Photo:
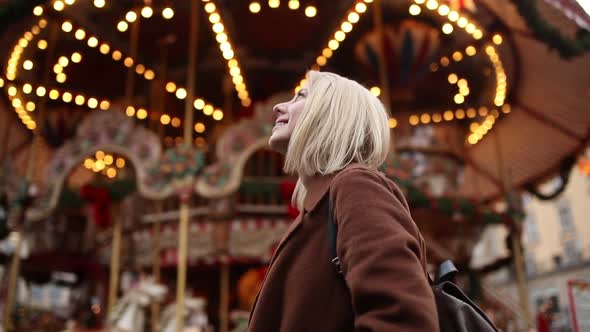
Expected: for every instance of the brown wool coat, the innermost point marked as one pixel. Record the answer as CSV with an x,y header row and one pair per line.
x,y
383,286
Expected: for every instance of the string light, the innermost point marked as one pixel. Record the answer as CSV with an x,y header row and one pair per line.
x,y
131,16
218,115
76,57
80,34
42,44
254,7
447,28
274,3
199,127
168,13
122,26
311,11
99,3
375,91
38,11
293,4
147,12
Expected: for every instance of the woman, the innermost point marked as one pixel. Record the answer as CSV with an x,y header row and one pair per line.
x,y
334,135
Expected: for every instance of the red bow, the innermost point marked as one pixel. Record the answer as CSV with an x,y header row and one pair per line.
x,y
101,203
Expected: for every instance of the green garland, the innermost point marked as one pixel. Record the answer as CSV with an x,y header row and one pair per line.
x,y
69,199
549,34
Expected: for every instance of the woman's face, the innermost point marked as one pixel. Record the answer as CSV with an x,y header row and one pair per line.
x,y
286,115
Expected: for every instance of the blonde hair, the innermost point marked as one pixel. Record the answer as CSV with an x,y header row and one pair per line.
x,y
341,123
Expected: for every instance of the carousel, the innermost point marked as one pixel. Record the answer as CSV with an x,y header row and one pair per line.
x,y
137,192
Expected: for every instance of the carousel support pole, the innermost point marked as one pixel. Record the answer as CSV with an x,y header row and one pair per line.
x,y
117,227
37,140
115,262
156,262
224,298
383,78
188,141
516,243
6,138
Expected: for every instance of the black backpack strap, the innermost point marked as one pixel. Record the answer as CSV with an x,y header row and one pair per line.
x,y
332,236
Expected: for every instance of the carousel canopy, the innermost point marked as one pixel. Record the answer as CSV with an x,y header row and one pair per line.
x,y
506,82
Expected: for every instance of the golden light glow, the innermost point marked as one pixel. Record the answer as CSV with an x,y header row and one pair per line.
x,y
392,122
149,75
210,7
76,57
92,103
42,44
128,62
41,91
414,120
448,115
117,55
462,22
436,117
120,162
497,39
214,18
61,78
293,4
111,173
321,60
431,4
360,7
506,109
130,111
122,26
165,119
375,91
470,50
88,163
346,27
57,68
353,17
175,122
208,109
477,34
171,87
453,78
167,13
141,114
254,7
67,26
99,154
460,114
79,100
28,65
66,97
147,12
131,16
38,11
415,10
471,113
12,91
425,118
108,159
104,105
140,69
447,28
181,93
339,35
53,94
218,27
80,34
459,99
333,44
63,61
221,37
58,5
27,88
199,103
457,56
274,3
92,42
104,48
444,61
199,127
218,115
99,3
99,165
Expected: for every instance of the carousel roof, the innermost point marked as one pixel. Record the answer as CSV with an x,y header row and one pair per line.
x,y
481,69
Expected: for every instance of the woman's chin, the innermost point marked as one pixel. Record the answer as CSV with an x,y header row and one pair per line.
x,y
278,144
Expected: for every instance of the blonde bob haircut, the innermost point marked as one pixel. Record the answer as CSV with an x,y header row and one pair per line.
x,y
341,123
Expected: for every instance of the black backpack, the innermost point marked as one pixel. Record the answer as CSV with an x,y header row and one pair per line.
x,y
456,311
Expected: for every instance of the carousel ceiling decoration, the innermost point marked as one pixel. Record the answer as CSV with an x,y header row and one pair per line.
x,y
310,11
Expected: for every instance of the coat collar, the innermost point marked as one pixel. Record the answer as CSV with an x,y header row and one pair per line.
x,y
316,187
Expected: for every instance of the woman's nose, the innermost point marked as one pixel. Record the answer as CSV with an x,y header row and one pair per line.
x,y
279,109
